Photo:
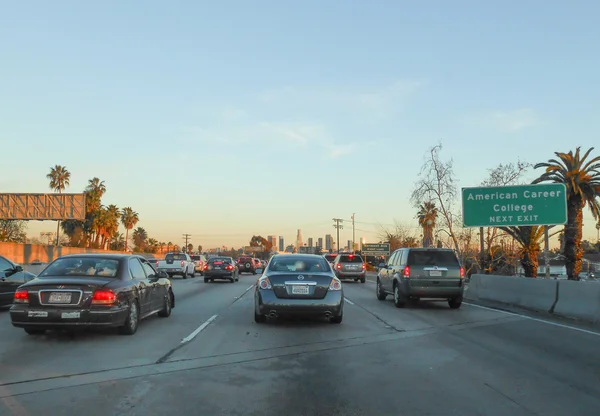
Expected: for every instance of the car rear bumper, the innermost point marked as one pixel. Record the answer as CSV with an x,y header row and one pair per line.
x,y
350,275
266,302
413,289
173,270
113,317
246,269
218,274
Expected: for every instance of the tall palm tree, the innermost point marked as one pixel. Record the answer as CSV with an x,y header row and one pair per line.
x,y
427,217
140,238
113,214
582,179
59,178
129,218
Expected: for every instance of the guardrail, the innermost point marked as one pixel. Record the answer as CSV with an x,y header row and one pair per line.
x,y
567,298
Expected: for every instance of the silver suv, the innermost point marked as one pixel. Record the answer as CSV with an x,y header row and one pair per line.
x,y
414,273
350,266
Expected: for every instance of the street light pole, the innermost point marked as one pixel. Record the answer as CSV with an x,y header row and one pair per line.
x,y
353,237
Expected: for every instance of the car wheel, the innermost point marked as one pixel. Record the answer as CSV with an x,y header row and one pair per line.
x,y
166,311
381,295
337,319
31,331
133,319
363,279
232,280
193,274
455,303
399,299
206,280
259,319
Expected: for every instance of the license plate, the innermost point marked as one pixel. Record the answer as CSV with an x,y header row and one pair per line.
x,y
435,273
37,314
218,268
59,297
299,290
70,315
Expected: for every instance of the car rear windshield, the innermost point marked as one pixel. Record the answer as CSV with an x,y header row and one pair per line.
x,y
81,267
219,260
351,259
195,258
432,258
245,259
175,257
330,257
306,265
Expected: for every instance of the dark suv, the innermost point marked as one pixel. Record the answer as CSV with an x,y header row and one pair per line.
x,y
414,273
246,265
350,266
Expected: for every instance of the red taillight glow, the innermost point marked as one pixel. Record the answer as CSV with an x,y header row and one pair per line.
x,y
21,296
218,262
462,272
182,263
339,266
264,283
335,285
230,267
406,271
104,297
364,266
206,267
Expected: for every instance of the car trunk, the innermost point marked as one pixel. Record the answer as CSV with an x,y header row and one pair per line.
x,y
300,285
434,268
61,292
349,264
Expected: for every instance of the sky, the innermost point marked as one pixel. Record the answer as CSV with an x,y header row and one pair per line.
x,y
233,118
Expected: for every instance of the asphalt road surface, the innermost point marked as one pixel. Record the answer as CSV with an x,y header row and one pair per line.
x,y
210,358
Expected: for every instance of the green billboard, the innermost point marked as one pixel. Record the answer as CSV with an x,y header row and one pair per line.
x,y
502,206
374,249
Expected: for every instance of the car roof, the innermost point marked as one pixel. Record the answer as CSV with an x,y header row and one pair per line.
x,y
298,255
111,256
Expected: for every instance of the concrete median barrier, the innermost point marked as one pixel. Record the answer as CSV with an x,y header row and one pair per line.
x,y
579,300
534,294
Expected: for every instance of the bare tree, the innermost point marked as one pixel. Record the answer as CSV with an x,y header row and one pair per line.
x,y
398,236
437,183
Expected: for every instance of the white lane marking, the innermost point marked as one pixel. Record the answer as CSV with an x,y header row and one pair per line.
x,y
199,329
249,288
370,281
585,331
348,300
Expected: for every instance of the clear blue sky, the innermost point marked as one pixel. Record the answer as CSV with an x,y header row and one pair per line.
x,y
232,118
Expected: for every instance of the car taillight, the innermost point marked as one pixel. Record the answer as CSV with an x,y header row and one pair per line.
x,y
406,271
206,267
21,296
364,266
264,283
462,272
104,297
182,263
230,267
339,266
335,285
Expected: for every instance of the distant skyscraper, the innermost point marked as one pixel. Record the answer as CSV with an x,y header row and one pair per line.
x,y
350,245
273,240
328,242
299,242
320,242
281,243
310,241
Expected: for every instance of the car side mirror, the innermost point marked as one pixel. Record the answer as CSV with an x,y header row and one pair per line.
x,y
18,268
162,274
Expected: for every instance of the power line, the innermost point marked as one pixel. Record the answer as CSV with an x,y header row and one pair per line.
x,y
186,237
338,226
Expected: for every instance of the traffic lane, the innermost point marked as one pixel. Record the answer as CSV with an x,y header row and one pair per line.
x,y
234,331
503,368
24,357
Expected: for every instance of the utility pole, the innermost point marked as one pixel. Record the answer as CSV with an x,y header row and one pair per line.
x,y
353,233
186,237
338,226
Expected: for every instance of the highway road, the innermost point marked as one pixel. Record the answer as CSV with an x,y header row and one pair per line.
x,y
210,358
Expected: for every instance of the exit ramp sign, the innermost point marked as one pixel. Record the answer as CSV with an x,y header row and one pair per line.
x,y
503,206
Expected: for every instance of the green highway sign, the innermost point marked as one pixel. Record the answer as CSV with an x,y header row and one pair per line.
x,y
502,206
381,249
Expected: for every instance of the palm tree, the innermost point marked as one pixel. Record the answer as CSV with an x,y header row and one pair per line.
x,y
59,178
140,238
113,215
169,245
582,180
529,239
129,218
427,216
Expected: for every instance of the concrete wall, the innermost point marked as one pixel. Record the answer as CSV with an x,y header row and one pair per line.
x,y
29,253
571,299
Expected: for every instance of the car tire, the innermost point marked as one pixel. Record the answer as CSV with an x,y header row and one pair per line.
x,y
166,311
399,299
381,295
259,319
455,303
35,331
363,279
193,274
184,274
206,280
132,321
232,280
337,319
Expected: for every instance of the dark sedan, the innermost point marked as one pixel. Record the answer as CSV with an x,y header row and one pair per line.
x,y
12,276
92,290
221,268
298,284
